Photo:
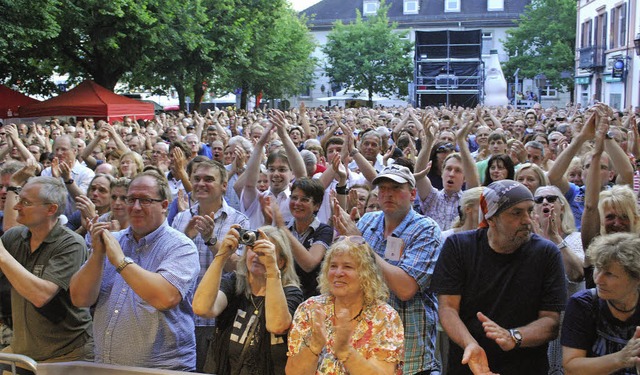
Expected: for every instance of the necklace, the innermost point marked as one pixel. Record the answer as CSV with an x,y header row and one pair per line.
x,y
358,315
621,310
256,310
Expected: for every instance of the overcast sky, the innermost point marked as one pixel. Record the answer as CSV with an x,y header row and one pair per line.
x,y
302,4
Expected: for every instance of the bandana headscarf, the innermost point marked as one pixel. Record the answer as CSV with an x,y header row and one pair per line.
x,y
499,196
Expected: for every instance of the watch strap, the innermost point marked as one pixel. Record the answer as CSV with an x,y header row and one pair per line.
x,y
69,181
125,262
15,189
211,241
516,336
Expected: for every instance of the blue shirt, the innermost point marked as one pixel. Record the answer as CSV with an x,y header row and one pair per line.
x,y
129,331
223,219
421,238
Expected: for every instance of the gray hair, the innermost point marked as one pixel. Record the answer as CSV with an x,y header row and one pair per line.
x,y
535,144
242,142
52,190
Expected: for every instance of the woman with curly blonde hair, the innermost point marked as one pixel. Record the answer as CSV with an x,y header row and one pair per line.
x,y
349,328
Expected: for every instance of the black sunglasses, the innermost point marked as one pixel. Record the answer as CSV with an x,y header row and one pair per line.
x,y
550,198
445,148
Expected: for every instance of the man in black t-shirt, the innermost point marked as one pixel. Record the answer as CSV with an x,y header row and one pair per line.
x,y
500,289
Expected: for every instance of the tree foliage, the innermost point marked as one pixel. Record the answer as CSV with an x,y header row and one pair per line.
x,y
192,46
544,42
369,55
279,59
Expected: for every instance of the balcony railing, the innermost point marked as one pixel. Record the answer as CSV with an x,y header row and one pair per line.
x,y
592,57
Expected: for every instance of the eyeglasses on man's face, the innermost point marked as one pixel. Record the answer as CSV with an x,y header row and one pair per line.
x,y
144,202
25,203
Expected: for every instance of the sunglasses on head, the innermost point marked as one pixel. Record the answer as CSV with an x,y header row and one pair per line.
x,y
358,240
445,148
550,198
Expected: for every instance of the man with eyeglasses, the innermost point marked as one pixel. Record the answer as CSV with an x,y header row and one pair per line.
x,y
142,281
206,221
500,288
39,260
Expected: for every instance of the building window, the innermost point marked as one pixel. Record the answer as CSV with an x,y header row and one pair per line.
x,y
411,7
495,5
487,43
549,92
370,7
585,34
622,25
451,5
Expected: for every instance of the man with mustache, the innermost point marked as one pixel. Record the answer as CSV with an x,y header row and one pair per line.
x,y
500,288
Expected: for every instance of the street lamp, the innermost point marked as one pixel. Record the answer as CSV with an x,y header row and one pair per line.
x,y
541,82
636,43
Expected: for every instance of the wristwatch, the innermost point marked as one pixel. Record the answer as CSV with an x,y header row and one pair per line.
x,y
15,189
69,181
211,241
125,262
516,336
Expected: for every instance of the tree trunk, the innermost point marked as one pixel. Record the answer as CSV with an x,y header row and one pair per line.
x,y
181,96
198,93
244,96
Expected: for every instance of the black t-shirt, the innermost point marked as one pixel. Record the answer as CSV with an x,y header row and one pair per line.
x,y
589,325
309,280
254,361
510,289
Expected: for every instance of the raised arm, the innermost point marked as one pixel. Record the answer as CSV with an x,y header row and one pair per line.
x,y
295,159
471,177
252,171
557,171
208,302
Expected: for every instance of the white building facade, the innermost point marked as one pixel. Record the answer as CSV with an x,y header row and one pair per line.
x,y
607,64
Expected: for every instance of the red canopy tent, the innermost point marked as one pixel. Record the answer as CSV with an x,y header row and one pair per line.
x,y
89,99
11,102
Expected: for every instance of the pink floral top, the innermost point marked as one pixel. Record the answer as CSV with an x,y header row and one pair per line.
x,y
378,333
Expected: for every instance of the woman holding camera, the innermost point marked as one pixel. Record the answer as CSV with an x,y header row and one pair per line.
x,y
253,306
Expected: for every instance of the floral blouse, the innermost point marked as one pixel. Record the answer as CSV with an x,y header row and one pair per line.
x,y
378,333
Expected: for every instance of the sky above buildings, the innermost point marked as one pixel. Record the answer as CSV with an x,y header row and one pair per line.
x,y
299,5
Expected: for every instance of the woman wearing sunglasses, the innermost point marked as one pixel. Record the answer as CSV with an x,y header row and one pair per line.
x,y
349,329
554,221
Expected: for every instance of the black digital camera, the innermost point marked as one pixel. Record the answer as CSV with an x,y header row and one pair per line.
x,y
247,236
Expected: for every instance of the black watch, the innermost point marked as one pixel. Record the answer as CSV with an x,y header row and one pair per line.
x,y
15,189
211,241
516,336
69,181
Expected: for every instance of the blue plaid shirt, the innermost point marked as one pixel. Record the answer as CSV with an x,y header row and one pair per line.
x,y
421,237
222,221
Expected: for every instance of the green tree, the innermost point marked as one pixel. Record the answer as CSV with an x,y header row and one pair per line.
x,y
544,42
279,59
369,55
25,24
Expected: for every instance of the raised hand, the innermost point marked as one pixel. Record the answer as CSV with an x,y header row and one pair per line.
x,y
500,335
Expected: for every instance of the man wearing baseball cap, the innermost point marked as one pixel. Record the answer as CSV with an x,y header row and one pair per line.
x,y
500,288
406,246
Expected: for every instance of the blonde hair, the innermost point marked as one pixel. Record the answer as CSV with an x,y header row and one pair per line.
x,y
470,197
370,277
288,273
568,222
621,199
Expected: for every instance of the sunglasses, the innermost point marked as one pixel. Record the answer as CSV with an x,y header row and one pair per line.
x,y
445,148
358,240
550,198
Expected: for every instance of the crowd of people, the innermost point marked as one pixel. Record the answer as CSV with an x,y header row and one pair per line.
x,y
388,240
